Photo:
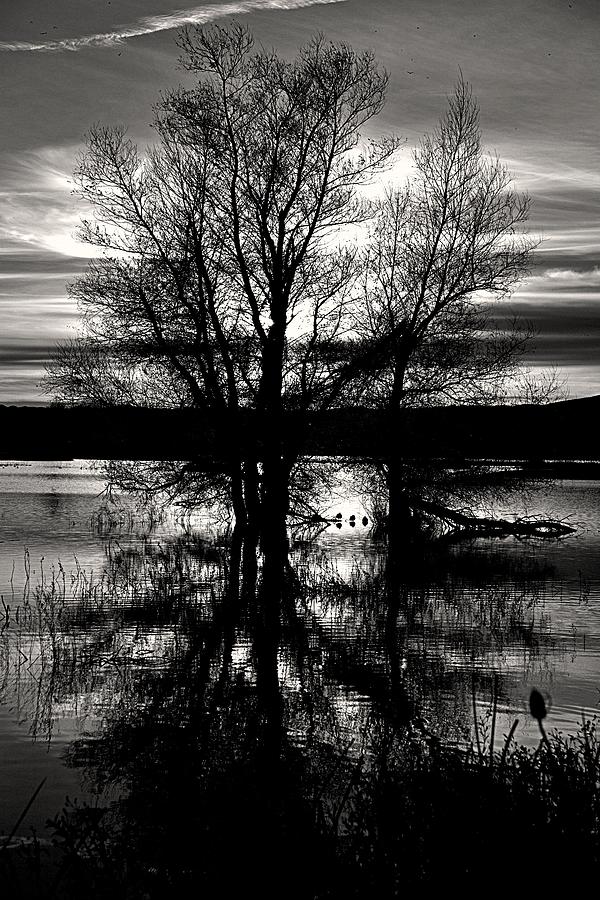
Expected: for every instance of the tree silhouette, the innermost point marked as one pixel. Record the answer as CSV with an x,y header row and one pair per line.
x,y
220,278
440,251
225,283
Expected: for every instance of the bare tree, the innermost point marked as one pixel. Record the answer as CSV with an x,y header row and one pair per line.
x,y
219,264
223,284
283,138
441,251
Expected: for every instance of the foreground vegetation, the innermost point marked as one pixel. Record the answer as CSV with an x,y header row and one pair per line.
x,y
412,813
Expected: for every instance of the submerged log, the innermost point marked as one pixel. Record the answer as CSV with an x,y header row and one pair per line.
x,y
459,523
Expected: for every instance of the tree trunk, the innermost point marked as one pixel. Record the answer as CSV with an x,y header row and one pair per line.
x,y
275,477
251,490
401,526
238,500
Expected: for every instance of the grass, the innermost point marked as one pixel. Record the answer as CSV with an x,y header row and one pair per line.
x,y
411,812
424,813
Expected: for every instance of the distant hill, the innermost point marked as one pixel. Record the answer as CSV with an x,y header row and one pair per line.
x,y
564,430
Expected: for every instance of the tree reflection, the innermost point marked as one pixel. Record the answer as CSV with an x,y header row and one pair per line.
x,y
242,701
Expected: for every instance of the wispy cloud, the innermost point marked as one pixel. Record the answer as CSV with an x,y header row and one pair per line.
x,y
37,208
195,15
563,278
585,276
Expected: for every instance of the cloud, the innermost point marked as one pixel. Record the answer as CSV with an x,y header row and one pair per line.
x,y
562,277
38,210
587,276
196,15
38,256
565,193
558,173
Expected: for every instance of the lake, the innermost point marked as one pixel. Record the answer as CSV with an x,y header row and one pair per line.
x,y
104,613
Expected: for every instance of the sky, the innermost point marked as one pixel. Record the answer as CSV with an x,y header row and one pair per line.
x,y
532,64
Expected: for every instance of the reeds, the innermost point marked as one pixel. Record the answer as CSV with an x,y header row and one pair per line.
x,y
429,813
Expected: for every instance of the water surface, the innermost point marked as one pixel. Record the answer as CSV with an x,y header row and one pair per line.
x,y
100,616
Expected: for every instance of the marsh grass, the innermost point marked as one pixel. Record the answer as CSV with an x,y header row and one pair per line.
x,y
427,813
411,813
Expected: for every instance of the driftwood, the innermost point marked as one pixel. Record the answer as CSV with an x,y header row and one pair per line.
x,y
483,526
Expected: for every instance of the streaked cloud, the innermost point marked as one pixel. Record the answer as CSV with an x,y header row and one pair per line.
x,y
37,207
38,256
196,15
585,277
32,325
564,279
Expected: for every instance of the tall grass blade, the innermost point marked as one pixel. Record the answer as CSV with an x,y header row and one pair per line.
x,y
28,806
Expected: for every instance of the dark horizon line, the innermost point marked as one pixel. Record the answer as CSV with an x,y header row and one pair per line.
x,y
448,434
